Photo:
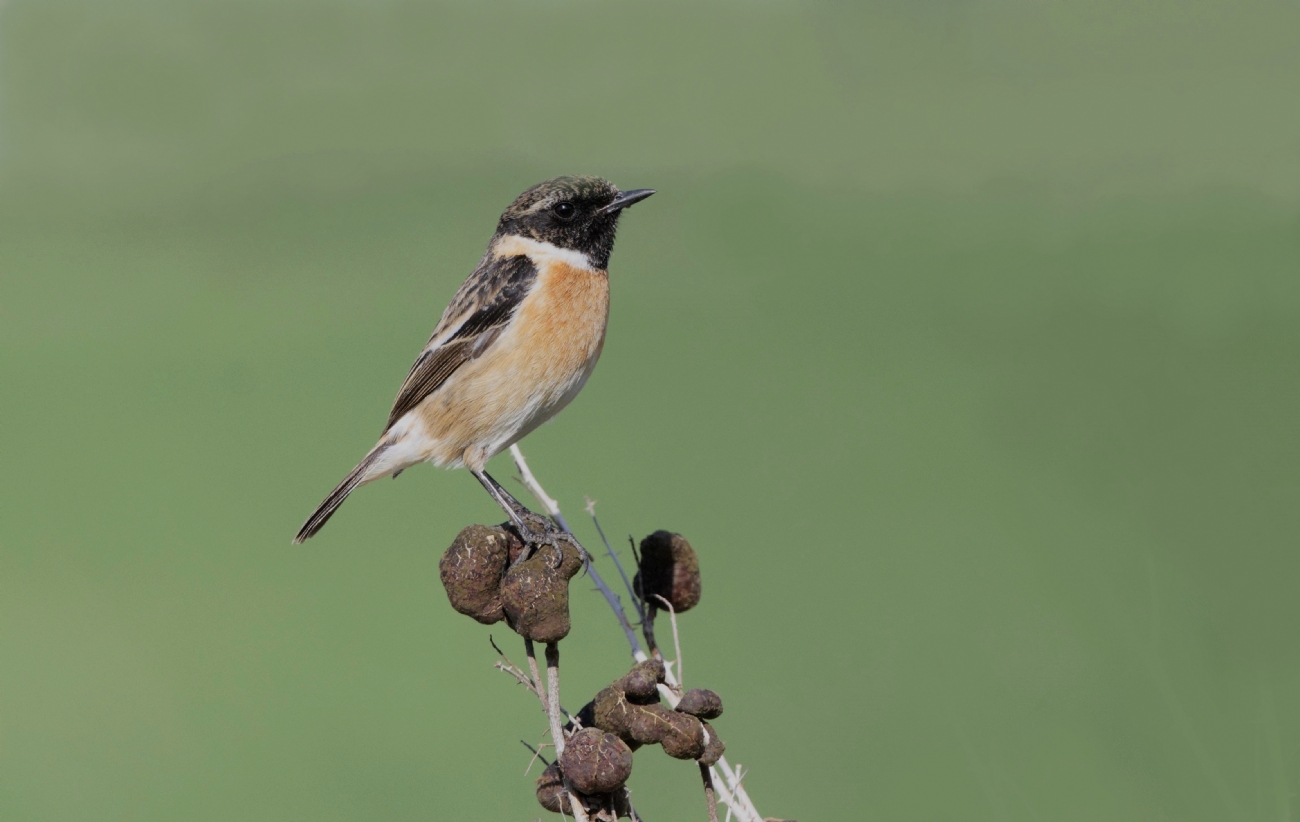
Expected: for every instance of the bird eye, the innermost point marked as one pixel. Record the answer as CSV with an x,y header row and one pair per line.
x,y
564,211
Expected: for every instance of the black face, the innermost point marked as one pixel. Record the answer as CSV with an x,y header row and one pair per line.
x,y
578,213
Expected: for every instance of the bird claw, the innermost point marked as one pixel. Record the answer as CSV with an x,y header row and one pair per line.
x,y
538,531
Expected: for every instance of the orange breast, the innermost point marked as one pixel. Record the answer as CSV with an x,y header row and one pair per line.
x,y
561,325
531,372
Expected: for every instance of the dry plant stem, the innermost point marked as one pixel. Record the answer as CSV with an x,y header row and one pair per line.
x,y
677,639
727,797
709,798
609,549
537,754
557,726
729,786
735,783
730,789
552,507
553,511
533,683
553,695
520,676
632,814
648,610
648,629
538,687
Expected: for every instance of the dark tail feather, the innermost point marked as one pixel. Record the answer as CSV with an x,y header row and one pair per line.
x,y
327,508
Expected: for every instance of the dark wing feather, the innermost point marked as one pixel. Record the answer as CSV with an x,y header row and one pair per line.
x,y
487,301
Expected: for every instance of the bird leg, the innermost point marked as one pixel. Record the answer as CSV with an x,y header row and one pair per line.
x,y
533,528
513,507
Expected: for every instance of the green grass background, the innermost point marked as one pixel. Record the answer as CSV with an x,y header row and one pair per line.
x,y
962,340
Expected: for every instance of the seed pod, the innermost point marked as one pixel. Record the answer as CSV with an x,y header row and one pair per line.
x,y
612,712
713,748
595,761
471,571
550,791
670,569
535,593
640,683
684,738
702,703
648,724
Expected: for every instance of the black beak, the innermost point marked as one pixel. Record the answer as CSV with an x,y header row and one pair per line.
x,y
626,199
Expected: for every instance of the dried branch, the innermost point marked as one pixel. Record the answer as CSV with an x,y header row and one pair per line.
x,y
538,687
537,754
631,809
648,608
526,477
553,511
557,726
553,695
677,640
609,549
726,796
734,783
519,675
531,683
730,789
710,799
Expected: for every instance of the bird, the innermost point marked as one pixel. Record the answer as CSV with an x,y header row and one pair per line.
x,y
516,344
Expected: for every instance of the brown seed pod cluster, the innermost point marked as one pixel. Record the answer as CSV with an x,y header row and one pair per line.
x,y
484,580
713,749
596,761
471,570
670,569
597,758
552,796
702,703
550,791
630,709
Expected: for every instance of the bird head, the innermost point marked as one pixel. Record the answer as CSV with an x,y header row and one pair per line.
x,y
576,213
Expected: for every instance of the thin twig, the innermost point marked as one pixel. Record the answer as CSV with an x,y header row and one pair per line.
x,y
631,809
648,608
520,676
537,754
553,695
530,482
729,787
734,782
514,670
538,687
710,799
557,729
724,794
677,640
609,549
553,510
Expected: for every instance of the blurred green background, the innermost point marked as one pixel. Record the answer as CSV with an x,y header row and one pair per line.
x,y
962,340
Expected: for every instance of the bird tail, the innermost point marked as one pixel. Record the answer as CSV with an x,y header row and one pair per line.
x,y
326,509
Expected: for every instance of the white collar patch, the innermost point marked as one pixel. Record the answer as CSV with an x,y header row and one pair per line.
x,y
513,244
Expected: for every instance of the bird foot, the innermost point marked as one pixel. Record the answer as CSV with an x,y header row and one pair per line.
x,y
537,531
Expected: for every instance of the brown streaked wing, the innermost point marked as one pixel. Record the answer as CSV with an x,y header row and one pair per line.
x,y
487,301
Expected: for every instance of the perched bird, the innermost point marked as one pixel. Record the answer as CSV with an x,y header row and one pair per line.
x,y
516,344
